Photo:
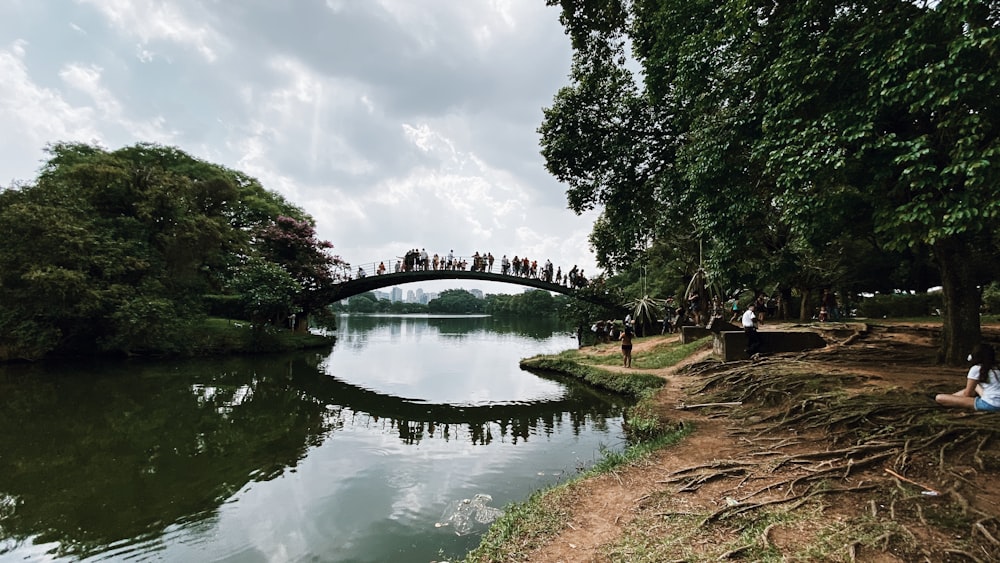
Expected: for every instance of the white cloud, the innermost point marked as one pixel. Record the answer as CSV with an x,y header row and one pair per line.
x,y
158,20
395,124
33,116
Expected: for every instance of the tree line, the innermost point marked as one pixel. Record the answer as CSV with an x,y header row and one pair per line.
x,y
127,251
787,146
460,302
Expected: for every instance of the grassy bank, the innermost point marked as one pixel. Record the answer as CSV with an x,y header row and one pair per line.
x,y
834,454
525,526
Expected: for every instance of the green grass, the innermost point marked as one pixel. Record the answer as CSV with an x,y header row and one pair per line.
x,y
529,525
662,355
634,384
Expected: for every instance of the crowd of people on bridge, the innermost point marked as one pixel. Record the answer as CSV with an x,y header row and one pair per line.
x,y
418,260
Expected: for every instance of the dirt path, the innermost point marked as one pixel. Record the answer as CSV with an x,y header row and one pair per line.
x,y
605,508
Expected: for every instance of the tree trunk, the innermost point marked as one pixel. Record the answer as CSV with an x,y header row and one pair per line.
x,y
805,311
302,323
784,312
961,329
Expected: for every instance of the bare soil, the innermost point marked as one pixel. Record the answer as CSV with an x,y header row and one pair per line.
x,y
934,491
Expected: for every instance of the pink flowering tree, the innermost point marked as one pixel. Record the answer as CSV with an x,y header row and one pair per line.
x,y
292,244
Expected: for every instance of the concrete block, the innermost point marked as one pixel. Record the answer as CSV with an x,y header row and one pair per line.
x,y
691,333
731,345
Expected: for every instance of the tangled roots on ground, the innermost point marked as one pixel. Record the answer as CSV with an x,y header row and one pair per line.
x,y
817,429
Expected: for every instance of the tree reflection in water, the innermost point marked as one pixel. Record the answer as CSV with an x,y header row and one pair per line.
x,y
108,455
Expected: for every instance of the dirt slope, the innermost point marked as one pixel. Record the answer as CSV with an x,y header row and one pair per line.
x,y
742,465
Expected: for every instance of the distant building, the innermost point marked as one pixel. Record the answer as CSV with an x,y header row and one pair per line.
x,y
411,297
477,292
380,295
397,294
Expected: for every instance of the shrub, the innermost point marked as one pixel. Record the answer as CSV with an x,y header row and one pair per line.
x,y
900,305
991,298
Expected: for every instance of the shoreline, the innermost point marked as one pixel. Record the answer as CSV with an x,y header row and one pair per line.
x,y
789,457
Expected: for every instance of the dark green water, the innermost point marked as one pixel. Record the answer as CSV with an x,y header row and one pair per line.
x,y
352,454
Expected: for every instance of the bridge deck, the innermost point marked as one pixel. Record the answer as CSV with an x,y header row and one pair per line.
x,y
367,283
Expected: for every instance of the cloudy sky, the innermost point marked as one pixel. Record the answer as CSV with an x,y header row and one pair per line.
x,y
397,124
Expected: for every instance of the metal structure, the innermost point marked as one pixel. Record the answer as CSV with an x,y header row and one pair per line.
x,y
371,280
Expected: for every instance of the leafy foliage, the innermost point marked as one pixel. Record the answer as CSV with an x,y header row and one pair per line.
x,y
456,301
112,251
789,138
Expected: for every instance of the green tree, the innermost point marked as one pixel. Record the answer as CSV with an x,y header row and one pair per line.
x,y
456,302
364,303
113,251
499,304
292,243
786,131
267,292
534,303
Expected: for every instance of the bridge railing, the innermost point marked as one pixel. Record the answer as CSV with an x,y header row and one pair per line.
x,y
396,265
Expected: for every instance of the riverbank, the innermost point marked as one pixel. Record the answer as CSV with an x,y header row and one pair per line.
x,y
212,336
837,454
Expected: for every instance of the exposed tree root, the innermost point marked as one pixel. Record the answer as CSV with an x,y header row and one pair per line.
x,y
895,432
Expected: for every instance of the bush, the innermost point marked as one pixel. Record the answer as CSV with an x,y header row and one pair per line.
x,y
991,298
225,306
900,305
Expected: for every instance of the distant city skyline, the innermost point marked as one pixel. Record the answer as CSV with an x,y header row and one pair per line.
x,y
420,295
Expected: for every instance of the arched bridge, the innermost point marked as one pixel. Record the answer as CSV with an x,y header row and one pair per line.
x,y
367,278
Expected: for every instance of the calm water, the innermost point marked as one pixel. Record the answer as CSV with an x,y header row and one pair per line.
x,y
359,453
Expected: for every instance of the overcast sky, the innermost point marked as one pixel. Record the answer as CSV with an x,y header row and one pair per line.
x,y
397,124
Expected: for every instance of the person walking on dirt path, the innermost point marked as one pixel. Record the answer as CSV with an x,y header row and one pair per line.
x,y
626,339
982,384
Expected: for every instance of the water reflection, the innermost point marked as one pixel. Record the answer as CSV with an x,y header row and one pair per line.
x,y
354,331
121,450
129,458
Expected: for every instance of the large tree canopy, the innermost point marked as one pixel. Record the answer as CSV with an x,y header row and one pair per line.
x,y
786,134
114,250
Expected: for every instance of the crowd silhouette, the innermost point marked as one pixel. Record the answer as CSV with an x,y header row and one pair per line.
x,y
417,260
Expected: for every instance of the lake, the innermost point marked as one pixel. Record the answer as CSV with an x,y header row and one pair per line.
x,y
400,443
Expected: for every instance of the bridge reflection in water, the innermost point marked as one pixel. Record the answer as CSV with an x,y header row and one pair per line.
x,y
122,457
458,417
414,421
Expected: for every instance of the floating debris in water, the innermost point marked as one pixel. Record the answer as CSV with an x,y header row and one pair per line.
x,y
463,515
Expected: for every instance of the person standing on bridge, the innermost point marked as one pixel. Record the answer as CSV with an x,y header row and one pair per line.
x,y
504,265
381,268
489,259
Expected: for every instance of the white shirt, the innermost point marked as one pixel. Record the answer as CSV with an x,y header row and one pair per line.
x,y
991,389
748,319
